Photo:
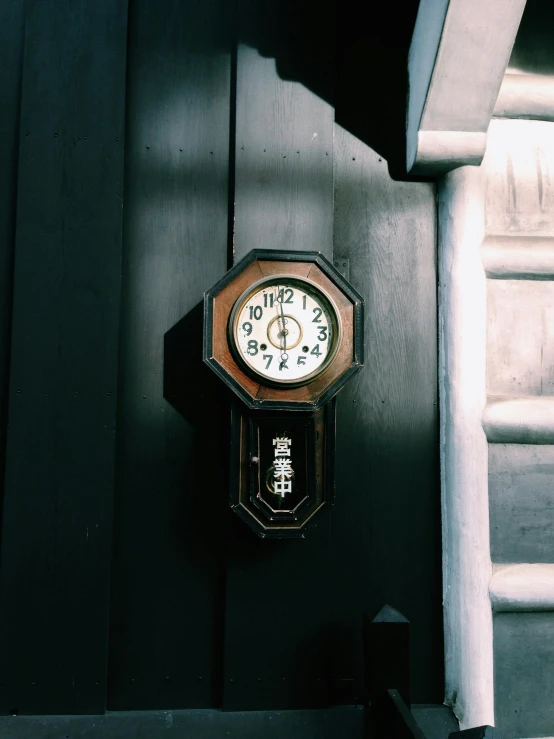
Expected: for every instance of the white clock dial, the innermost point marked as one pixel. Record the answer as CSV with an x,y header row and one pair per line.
x,y
286,330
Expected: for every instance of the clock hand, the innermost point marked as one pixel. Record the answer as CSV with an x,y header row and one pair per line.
x,y
277,306
283,329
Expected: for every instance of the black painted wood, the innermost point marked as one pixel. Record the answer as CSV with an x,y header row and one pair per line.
x,y
386,536
12,21
276,621
393,719
479,732
387,654
345,721
374,39
436,721
194,594
284,127
56,544
340,721
166,594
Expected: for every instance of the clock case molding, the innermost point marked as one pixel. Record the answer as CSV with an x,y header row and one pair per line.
x,y
264,411
251,433
218,304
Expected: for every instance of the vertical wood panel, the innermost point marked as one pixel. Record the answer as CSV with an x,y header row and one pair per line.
x,y
284,128
385,527
187,573
12,22
60,450
171,459
284,161
276,595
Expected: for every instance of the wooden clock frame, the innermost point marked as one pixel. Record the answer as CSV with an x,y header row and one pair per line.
x,y
218,305
248,496
263,418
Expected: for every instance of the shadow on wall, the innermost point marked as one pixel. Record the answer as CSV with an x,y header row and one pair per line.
x,y
533,50
355,60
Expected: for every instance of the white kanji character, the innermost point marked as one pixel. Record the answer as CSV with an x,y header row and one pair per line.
x,y
283,487
282,447
282,468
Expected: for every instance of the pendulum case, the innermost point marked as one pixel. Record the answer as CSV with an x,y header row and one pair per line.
x,y
282,468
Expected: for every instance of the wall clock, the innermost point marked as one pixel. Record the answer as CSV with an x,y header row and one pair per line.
x,y
284,331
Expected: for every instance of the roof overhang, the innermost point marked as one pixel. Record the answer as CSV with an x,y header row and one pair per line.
x,y
458,56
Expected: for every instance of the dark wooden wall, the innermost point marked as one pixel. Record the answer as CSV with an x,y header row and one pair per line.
x,y
145,150
60,450
12,23
166,580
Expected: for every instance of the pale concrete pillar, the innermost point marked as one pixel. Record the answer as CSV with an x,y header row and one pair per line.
x,y
462,365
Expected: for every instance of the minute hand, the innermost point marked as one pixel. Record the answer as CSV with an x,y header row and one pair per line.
x,y
283,329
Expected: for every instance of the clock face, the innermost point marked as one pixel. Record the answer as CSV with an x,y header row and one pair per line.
x,y
285,330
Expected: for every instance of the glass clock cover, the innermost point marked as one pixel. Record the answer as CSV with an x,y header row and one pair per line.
x,y
285,330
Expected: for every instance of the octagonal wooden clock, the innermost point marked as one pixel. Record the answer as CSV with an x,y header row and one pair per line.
x,y
283,330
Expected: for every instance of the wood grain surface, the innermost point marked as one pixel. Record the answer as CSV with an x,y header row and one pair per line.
x,y
56,545
284,130
171,459
385,544
12,23
227,110
223,304
283,200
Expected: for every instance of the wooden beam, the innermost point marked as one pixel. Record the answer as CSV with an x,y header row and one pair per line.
x,y
459,52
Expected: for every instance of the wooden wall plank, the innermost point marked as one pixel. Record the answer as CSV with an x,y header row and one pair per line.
x,y
206,724
385,526
194,592
284,128
12,24
56,542
276,597
171,459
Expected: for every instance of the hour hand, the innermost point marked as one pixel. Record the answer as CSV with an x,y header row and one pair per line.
x,y
283,329
282,322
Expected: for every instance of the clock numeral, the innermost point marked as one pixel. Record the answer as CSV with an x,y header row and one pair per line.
x,y
283,365
269,357
315,351
253,347
301,360
317,319
288,292
256,312
247,328
322,336
270,300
